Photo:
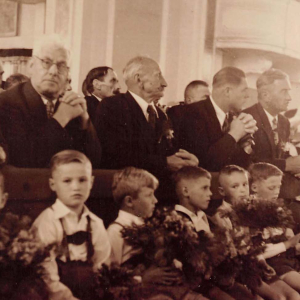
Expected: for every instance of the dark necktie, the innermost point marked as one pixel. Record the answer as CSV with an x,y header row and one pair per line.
x,y
50,108
275,131
226,124
152,116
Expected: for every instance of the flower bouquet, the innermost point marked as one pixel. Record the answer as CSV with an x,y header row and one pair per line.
x,y
115,282
169,239
21,253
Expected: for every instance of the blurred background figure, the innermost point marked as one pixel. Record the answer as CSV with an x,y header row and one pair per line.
x,y
15,79
100,83
195,91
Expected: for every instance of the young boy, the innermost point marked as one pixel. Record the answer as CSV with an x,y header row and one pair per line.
x,y
234,187
193,192
81,234
133,190
265,184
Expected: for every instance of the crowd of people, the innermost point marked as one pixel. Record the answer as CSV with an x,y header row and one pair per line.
x,y
44,124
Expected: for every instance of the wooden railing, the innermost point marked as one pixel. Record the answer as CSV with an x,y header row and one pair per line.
x,y
29,191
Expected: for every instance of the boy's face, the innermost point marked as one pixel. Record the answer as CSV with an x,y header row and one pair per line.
x,y
72,183
198,192
144,204
234,187
267,189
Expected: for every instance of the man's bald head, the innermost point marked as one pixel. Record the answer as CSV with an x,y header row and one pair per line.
x,y
195,91
143,77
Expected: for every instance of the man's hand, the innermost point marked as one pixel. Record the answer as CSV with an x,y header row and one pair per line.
x,y
181,159
242,125
165,276
292,242
71,107
292,165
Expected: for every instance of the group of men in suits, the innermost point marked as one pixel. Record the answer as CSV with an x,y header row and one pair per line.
x,y
40,117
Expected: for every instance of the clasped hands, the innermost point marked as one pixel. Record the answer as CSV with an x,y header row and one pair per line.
x,y
72,106
181,159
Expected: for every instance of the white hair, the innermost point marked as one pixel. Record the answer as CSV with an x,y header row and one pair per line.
x,y
134,66
51,41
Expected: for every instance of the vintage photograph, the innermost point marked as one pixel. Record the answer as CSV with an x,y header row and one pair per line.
x,y
149,149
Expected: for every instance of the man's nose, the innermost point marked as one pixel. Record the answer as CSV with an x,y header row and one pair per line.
x,y
53,69
163,82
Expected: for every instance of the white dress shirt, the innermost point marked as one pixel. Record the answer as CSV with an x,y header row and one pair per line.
x,y
143,104
121,251
221,115
50,231
98,98
271,118
199,220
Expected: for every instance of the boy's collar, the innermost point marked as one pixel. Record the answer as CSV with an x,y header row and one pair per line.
x,y
130,217
61,210
185,210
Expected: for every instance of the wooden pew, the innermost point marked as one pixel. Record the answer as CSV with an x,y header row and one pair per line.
x,y
29,191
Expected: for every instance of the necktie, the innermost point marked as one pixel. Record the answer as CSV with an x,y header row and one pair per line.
x,y
226,124
275,131
50,108
152,116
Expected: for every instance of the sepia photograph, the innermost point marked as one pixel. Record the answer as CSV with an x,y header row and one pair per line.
x,y
149,149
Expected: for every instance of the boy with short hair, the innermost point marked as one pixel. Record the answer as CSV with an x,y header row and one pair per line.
x,y
265,184
234,187
193,192
81,235
133,190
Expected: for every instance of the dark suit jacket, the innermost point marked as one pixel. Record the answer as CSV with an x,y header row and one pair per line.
x,y
92,103
31,138
201,135
126,137
265,148
176,113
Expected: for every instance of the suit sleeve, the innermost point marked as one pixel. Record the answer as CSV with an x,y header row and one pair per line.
x,y
119,143
212,155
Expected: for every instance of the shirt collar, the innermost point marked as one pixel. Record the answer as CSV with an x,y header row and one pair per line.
x,y
143,104
61,210
183,209
271,118
98,98
130,218
221,115
46,101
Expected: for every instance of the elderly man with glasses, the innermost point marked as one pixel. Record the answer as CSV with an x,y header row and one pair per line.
x,y
42,117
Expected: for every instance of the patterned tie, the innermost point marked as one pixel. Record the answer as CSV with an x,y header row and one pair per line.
x,y
275,131
226,124
152,116
50,108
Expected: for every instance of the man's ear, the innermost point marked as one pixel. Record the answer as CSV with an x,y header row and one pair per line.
x,y
185,191
96,84
30,65
128,201
3,200
92,181
51,184
221,191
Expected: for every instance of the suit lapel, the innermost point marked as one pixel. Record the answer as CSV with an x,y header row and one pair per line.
x,y
266,127
35,106
139,122
281,129
215,130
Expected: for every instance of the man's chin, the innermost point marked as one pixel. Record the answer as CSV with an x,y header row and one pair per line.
x,y
50,93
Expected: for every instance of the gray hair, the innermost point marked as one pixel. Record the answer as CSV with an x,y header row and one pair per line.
x,y
269,76
134,66
52,41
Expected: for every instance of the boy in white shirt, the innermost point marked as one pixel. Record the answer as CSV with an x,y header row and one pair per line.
x,y
133,190
265,184
234,187
81,235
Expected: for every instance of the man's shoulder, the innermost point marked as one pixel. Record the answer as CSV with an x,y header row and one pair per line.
x,y
254,109
12,94
115,103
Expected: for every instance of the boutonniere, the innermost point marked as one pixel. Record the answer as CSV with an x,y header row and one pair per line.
x,y
287,149
167,132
